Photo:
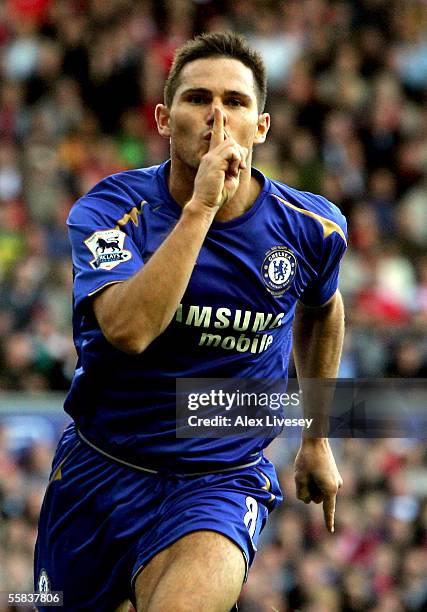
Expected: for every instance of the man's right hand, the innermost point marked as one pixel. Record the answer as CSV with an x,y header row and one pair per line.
x,y
218,176
317,477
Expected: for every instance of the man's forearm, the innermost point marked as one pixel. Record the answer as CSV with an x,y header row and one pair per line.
x,y
131,314
318,339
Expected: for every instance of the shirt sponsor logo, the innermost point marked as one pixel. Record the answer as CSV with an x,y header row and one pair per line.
x,y
255,324
278,270
107,248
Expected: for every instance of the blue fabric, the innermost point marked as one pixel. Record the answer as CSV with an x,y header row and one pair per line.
x,y
101,521
234,320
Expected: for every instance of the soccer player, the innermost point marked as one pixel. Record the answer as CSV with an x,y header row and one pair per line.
x,y
195,268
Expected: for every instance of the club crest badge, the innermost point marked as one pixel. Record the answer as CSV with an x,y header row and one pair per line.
x,y
107,248
278,270
43,583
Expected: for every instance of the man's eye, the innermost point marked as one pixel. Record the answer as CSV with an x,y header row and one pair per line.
x,y
197,99
234,102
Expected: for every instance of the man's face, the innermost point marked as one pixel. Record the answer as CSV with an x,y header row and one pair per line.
x,y
204,84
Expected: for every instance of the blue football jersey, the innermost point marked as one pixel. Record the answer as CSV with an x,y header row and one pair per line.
x,y
234,321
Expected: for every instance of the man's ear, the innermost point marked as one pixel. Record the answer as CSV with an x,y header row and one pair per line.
x,y
162,116
263,127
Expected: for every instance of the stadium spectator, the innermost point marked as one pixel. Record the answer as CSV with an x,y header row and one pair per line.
x,y
78,81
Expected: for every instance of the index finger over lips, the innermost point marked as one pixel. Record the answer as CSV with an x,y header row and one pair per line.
x,y
217,128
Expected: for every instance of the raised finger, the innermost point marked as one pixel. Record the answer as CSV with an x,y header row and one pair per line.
x,y
217,136
329,512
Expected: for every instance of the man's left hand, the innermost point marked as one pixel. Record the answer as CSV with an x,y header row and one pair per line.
x,y
317,477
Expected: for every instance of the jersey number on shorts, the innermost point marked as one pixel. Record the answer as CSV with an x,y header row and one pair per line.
x,y
251,517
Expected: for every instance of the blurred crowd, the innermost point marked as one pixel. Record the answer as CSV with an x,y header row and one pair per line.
x,y
79,80
376,561
23,477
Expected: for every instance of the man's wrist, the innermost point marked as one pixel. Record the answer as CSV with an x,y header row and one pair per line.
x,y
310,441
196,209
319,424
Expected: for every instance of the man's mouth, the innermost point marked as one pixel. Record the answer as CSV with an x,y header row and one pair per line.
x,y
208,136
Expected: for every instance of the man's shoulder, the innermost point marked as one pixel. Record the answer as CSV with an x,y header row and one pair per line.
x,y
121,191
307,204
135,181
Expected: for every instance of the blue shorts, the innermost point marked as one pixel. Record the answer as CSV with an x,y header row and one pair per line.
x,y
102,521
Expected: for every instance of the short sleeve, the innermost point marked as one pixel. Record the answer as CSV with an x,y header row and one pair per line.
x,y
323,287
103,251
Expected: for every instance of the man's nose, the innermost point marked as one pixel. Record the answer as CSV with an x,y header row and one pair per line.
x,y
210,118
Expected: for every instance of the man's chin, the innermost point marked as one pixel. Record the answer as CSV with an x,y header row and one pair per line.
x,y
195,161
192,161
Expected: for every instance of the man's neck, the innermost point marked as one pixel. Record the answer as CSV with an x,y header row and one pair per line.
x,y
181,184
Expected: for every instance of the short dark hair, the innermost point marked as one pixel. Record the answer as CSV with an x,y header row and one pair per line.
x,y
217,44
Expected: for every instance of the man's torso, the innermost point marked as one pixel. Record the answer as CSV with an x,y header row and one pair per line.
x,y
234,320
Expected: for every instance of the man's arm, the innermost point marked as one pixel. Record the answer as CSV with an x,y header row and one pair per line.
x,y
318,339
133,313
